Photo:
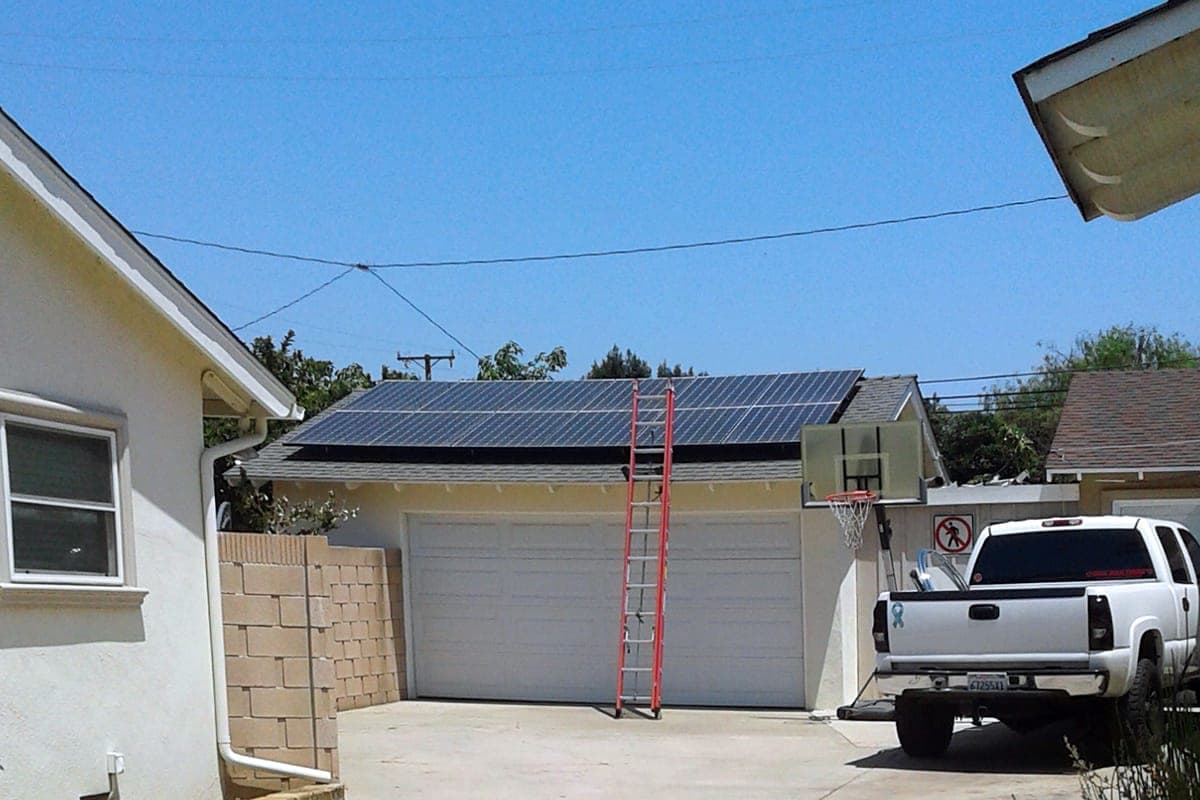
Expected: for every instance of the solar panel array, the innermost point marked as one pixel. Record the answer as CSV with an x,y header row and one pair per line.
x,y
735,409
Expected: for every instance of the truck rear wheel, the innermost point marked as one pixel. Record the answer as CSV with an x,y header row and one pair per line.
x,y
924,729
1141,710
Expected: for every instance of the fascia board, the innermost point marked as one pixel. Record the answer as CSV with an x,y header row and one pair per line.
x,y
1115,470
1108,48
34,169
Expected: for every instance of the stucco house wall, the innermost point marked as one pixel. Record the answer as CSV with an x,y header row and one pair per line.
x,y
828,580
81,681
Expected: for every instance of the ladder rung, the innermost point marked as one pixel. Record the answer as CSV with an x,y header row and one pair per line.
x,y
643,530
637,669
650,478
641,585
639,641
652,397
650,450
635,698
644,558
642,422
646,503
634,613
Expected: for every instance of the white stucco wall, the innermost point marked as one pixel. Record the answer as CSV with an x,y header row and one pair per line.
x,y
77,683
830,611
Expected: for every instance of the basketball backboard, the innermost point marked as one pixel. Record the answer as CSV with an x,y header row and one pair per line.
x,y
886,458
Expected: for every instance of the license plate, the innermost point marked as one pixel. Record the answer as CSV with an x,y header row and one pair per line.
x,y
987,681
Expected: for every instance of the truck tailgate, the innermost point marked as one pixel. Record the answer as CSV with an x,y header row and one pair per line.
x,y
988,627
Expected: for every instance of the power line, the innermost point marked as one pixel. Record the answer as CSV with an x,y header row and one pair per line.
x,y
985,394
589,254
997,376
418,309
1184,361
518,75
337,278
965,410
413,39
291,303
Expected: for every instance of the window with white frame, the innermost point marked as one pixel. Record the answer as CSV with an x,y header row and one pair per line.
x,y
61,502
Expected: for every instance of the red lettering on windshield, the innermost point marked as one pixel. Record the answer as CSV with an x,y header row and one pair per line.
x,y
1111,574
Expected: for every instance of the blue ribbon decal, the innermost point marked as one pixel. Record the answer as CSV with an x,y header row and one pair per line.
x,y
897,615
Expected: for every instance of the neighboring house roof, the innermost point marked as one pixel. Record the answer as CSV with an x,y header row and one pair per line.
x,y
37,171
1129,421
876,399
288,459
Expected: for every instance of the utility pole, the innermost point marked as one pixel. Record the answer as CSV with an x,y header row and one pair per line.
x,y
428,360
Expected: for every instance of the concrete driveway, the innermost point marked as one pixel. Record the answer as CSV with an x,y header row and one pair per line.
x,y
449,749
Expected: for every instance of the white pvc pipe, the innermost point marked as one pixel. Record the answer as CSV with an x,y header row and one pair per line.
x,y
216,631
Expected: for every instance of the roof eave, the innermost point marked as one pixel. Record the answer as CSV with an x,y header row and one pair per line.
x,y
35,169
1125,470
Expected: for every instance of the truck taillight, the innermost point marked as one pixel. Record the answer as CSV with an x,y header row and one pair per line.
x,y
1100,624
879,629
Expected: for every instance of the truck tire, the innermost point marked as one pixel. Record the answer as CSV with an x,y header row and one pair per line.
x,y
1141,710
924,729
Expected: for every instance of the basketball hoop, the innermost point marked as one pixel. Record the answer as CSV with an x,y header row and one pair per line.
x,y
851,510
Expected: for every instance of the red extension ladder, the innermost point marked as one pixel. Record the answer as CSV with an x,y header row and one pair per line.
x,y
647,528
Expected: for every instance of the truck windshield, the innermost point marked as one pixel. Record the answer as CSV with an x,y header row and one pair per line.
x,y
1061,556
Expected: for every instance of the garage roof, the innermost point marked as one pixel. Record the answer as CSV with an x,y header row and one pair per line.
x,y
709,410
1129,421
287,459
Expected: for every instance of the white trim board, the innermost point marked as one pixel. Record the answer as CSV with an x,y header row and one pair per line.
x,y
34,169
1080,62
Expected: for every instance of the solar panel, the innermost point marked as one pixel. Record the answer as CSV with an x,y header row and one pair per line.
x,y
729,409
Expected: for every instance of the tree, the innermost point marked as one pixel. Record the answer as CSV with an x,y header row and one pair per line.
x,y
317,384
677,371
387,373
977,445
506,364
1024,413
616,365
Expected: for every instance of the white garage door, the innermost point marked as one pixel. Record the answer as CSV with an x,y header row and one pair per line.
x,y
527,609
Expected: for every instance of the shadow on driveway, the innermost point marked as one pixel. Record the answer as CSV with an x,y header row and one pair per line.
x,y
992,748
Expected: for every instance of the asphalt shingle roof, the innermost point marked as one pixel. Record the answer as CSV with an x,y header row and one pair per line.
x,y
878,399
875,399
1129,420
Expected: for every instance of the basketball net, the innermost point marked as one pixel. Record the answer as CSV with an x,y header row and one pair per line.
x,y
851,509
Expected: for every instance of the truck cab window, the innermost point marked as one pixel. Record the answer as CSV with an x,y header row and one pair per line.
x,y
1179,571
1193,550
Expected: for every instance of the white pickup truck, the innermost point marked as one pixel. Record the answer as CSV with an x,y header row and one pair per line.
x,y
1053,618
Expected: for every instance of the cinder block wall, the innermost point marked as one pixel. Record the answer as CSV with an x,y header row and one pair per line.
x,y
368,625
279,666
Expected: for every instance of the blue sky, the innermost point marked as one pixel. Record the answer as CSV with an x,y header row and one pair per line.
x,y
397,133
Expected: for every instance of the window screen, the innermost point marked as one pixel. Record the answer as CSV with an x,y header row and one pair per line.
x,y
1059,556
61,501
1166,535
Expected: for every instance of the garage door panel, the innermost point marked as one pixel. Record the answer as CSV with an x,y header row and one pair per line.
x,y
454,539
458,582
576,583
580,540
532,613
742,537
722,584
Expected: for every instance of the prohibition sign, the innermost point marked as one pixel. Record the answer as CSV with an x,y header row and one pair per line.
x,y
952,534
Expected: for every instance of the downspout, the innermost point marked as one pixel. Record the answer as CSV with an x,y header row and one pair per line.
x,y
216,631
